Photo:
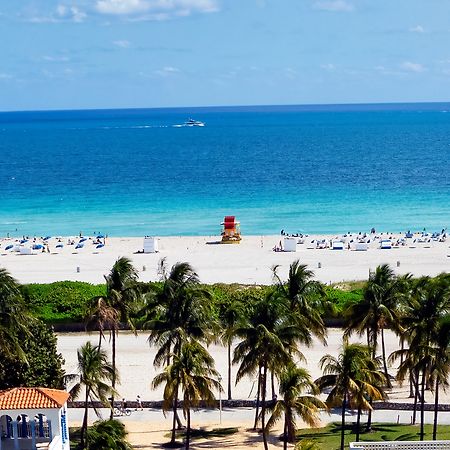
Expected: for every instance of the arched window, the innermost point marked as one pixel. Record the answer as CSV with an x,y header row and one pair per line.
x,y
6,430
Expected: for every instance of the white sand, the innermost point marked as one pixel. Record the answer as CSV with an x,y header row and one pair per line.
x,y
248,262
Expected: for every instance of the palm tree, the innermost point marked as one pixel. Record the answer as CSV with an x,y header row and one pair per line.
x,y
347,375
109,311
193,371
423,311
377,310
103,317
303,296
95,373
269,339
440,366
230,316
178,309
294,381
13,316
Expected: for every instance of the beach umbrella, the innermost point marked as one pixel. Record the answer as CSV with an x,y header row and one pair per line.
x,y
79,246
38,246
83,239
23,241
60,246
100,245
9,247
47,238
100,236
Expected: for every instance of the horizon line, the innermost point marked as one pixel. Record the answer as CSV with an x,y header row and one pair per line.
x,y
231,107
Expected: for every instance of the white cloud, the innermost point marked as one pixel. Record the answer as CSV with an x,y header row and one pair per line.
x,y
333,5
121,7
167,71
412,67
417,29
56,58
71,13
122,43
330,67
290,73
62,13
155,9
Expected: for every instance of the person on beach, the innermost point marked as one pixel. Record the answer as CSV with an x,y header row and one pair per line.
x,y
139,403
123,406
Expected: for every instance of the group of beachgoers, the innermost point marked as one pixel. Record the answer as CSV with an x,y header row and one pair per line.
x,y
362,240
33,245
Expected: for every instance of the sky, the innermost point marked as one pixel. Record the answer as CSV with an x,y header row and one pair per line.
x,y
76,54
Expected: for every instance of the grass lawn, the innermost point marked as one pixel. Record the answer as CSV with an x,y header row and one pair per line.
x,y
329,437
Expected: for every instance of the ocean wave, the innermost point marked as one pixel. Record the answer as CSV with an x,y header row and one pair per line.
x,y
13,223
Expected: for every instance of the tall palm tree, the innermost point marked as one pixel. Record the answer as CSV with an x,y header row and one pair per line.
x,y
269,339
231,316
13,316
294,382
109,311
95,373
303,296
102,317
423,311
347,375
440,366
176,310
377,310
192,370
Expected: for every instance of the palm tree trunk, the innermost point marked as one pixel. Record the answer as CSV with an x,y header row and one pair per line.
x,y
369,418
436,406
255,425
229,370
272,384
422,406
402,346
411,386
85,419
263,406
113,380
383,349
188,430
285,433
344,406
175,415
358,423
416,396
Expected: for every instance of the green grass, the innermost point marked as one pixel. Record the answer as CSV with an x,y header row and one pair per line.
x,y
329,437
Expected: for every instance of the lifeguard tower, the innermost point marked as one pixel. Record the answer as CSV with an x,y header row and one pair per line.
x,y
231,233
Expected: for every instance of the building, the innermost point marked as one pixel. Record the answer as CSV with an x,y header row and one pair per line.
x,y
33,419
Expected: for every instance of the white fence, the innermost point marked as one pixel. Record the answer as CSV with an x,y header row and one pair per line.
x,y
401,445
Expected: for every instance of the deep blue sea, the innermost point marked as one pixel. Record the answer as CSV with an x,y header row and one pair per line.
x,y
311,169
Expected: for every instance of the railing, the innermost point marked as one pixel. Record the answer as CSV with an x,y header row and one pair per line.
x,y
401,445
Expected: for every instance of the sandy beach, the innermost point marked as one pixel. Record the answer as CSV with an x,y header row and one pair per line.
x,y
248,262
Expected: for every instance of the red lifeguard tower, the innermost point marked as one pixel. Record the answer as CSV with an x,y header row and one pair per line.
x,y
231,233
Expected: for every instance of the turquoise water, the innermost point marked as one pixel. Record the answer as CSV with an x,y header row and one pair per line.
x,y
322,169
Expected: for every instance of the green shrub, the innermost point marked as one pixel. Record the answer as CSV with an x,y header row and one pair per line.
x,y
63,301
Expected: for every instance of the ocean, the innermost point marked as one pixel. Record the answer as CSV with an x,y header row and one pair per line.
x,y
307,169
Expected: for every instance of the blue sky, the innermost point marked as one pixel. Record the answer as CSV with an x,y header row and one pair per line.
x,y
64,54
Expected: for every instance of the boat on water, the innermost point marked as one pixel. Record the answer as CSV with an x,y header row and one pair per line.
x,y
193,123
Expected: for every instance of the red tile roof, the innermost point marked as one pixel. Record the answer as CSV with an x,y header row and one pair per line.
x,y
32,398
